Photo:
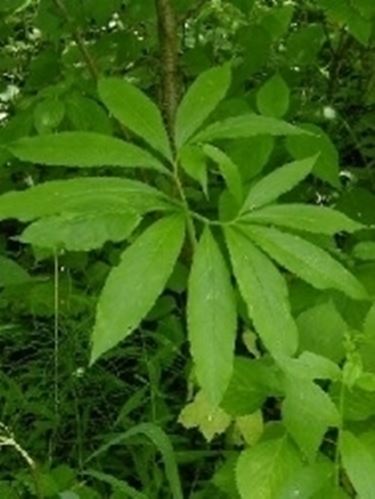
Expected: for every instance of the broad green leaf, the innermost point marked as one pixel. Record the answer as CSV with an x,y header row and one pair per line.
x,y
365,250
308,412
273,97
278,182
316,219
265,293
251,154
263,470
251,427
210,420
307,261
328,338
359,464
247,125
251,383
200,100
11,273
48,115
82,150
136,111
211,313
80,232
161,441
277,20
81,195
309,366
310,482
134,285
228,170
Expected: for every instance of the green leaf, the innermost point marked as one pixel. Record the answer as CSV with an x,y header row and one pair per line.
x,y
251,383
328,339
263,470
307,261
136,111
359,465
273,97
211,420
80,232
81,195
211,312
247,125
228,170
82,150
193,161
365,250
11,273
278,182
134,285
162,442
200,100
265,293
316,219
318,142
310,482
116,484
307,406
309,366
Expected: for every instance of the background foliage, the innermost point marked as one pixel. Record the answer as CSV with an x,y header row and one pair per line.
x,y
155,416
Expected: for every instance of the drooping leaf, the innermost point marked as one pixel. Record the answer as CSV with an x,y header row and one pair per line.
x,y
359,464
278,182
273,97
307,261
200,100
82,150
136,111
161,441
211,318
265,293
134,285
81,195
210,420
263,470
308,406
228,170
316,219
80,232
247,125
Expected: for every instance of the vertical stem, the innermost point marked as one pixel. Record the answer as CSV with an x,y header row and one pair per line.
x,y
169,47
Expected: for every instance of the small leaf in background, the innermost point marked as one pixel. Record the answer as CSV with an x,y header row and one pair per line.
x,y
200,100
263,470
80,232
251,383
251,154
211,315
81,195
359,464
228,170
278,182
364,250
308,412
307,261
86,114
136,111
247,125
48,115
210,419
304,44
316,219
327,166
134,285
273,97
322,331
265,293
277,20
193,161
11,273
251,427
82,149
